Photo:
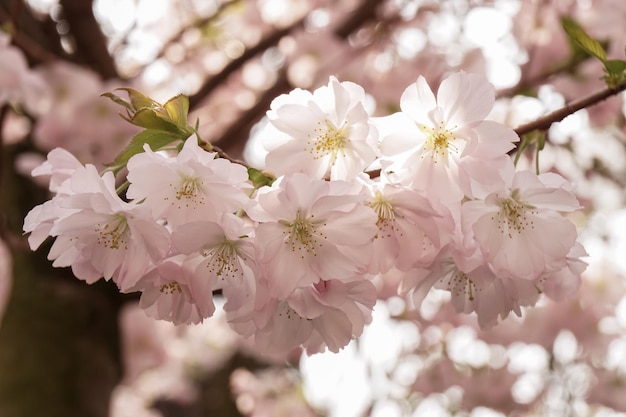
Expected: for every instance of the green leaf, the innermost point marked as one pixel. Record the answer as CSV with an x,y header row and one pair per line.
x,y
139,100
157,139
151,119
259,178
177,109
615,66
578,35
119,100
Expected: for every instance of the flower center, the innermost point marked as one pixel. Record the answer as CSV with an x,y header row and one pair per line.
x,y
285,311
386,216
190,189
223,261
439,140
113,235
330,140
459,284
302,234
171,288
512,216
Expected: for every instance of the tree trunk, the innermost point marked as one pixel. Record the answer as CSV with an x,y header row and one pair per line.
x,y
59,338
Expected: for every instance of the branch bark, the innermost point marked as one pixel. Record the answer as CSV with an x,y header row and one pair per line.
x,y
233,140
234,65
544,123
59,338
37,38
90,42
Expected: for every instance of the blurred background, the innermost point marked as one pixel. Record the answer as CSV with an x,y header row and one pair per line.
x,y
71,349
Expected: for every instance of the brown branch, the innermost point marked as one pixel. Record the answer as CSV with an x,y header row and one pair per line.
x,y
355,20
198,23
544,123
525,84
31,35
235,137
216,80
90,42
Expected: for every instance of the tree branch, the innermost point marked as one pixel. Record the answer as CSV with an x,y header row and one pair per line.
x,y
197,24
91,44
236,135
356,19
33,36
544,123
216,80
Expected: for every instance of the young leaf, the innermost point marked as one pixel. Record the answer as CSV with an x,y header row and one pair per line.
x,y
615,66
577,34
151,119
177,109
157,139
138,100
259,178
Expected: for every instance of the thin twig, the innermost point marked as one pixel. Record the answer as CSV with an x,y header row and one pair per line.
x,y
544,123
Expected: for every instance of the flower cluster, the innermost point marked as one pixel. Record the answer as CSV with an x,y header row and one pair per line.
x,y
297,260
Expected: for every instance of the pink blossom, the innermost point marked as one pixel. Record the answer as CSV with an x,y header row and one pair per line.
x,y
105,236
311,230
18,83
325,315
59,166
324,134
74,116
40,219
491,297
519,228
194,185
172,292
565,282
438,142
225,249
408,235
224,259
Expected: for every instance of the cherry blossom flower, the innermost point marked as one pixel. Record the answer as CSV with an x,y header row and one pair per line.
x,y
491,297
311,230
72,114
324,315
441,144
194,185
40,219
18,83
224,257
225,249
172,292
105,236
565,282
324,134
519,228
408,235
59,165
